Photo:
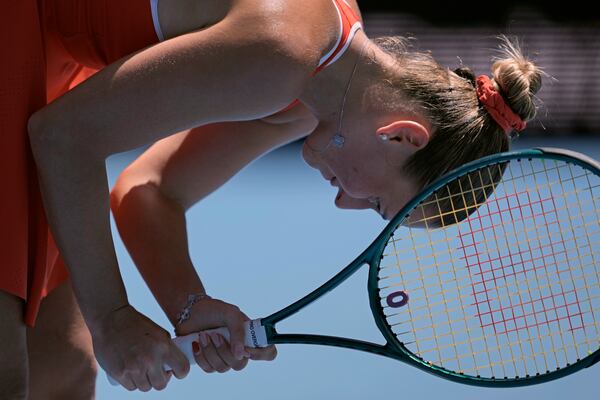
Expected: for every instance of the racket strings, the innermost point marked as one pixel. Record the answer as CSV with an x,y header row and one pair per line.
x,y
575,303
491,185
590,245
463,297
454,214
466,296
404,272
552,298
525,231
511,307
523,296
565,207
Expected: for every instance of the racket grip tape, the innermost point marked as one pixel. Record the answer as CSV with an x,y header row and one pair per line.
x,y
256,336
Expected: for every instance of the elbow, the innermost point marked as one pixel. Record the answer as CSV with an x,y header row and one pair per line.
x,y
135,191
135,204
53,139
48,145
124,196
116,196
124,188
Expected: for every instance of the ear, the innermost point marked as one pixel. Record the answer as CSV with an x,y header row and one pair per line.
x,y
411,134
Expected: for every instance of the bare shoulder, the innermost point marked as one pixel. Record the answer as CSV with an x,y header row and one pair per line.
x,y
307,28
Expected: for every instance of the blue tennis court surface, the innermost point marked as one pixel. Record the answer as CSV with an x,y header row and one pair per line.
x,y
268,237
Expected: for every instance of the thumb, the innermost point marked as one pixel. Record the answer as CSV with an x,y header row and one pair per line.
x,y
178,362
237,339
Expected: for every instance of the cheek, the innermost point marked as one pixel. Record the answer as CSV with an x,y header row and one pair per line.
x,y
359,180
356,185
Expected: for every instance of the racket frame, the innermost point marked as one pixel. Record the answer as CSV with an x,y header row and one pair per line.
x,y
372,257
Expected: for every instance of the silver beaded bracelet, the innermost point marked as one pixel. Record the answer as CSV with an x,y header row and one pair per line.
x,y
185,313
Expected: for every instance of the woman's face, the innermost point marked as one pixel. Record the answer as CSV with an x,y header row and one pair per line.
x,y
366,170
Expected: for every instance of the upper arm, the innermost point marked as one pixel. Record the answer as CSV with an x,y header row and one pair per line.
x,y
188,166
195,79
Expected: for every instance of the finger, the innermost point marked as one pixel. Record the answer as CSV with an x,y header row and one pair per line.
x,y
142,382
127,383
237,332
158,378
178,362
240,365
201,359
212,356
264,354
224,351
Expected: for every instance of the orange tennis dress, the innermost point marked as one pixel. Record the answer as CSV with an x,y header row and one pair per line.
x,y
47,48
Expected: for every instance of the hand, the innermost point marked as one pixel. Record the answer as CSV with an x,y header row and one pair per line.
x,y
213,353
132,349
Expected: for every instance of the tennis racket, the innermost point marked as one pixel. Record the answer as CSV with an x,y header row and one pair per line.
x,y
489,277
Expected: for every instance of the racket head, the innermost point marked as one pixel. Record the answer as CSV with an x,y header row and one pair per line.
x,y
503,293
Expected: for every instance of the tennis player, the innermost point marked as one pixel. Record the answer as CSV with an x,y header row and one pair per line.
x,y
214,84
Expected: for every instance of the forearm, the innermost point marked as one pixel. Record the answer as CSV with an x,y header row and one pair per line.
x,y
83,234
153,229
151,195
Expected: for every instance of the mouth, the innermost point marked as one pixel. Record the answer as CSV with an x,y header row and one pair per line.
x,y
339,195
335,183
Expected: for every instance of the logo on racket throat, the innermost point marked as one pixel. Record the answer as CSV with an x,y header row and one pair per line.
x,y
253,334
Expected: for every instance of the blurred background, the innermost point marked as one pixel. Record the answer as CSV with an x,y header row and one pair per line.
x,y
562,37
272,233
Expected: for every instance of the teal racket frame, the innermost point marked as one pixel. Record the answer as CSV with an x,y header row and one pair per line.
x,y
371,258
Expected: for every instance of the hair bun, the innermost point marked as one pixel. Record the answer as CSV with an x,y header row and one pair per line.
x,y
518,79
466,73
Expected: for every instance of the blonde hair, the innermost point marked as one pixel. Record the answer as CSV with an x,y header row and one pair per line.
x,y
462,129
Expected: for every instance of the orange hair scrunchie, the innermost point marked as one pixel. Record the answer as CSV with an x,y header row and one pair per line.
x,y
496,105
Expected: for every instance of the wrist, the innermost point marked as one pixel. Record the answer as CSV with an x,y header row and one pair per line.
x,y
187,310
96,321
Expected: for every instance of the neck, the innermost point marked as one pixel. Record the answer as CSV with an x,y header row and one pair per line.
x,y
324,93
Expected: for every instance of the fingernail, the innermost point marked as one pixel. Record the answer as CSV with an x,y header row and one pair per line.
x,y
196,348
203,339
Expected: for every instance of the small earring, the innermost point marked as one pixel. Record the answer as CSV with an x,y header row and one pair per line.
x,y
384,137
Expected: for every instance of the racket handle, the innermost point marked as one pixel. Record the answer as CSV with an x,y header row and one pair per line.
x,y
256,336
